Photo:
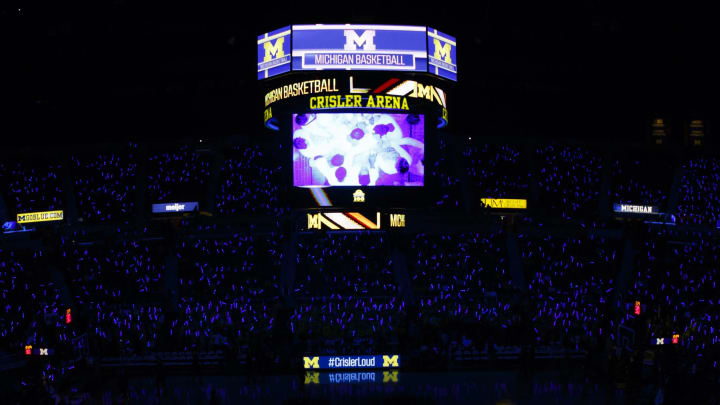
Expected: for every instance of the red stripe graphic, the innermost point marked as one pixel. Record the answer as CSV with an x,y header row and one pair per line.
x,y
385,85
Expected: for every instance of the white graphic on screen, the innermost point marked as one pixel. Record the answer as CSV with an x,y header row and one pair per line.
x,y
356,149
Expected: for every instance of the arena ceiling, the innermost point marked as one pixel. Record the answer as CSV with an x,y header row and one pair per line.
x,y
108,70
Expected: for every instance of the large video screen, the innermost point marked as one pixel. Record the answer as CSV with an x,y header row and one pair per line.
x,y
358,149
356,47
366,47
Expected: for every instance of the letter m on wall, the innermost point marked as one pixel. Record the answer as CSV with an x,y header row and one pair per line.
x,y
390,361
442,50
274,51
365,41
311,362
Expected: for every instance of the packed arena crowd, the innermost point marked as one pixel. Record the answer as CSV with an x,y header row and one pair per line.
x,y
198,288
570,284
104,185
569,181
251,182
699,202
675,284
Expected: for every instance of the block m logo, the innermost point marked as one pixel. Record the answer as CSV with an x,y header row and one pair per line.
x,y
312,377
274,51
316,221
390,361
364,41
390,376
442,51
311,362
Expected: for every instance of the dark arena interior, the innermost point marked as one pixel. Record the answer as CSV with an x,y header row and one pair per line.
x,y
182,227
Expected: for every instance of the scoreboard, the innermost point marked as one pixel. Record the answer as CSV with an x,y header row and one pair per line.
x,y
356,47
357,109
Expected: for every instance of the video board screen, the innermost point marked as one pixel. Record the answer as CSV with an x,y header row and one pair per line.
x,y
274,53
358,149
371,47
399,48
442,54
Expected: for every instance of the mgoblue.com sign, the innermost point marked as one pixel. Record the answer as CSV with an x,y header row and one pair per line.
x,y
44,216
336,362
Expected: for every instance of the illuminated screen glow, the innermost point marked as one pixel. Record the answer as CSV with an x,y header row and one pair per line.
x,y
365,47
358,149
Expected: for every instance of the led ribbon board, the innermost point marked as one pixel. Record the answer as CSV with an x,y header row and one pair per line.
x,y
505,203
635,209
352,87
353,221
357,47
39,216
174,207
351,362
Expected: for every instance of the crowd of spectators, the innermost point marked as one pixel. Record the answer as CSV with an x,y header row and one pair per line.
x,y
444,174
497,171
32,185
180,175
676,285
459,264
251,182
568,181
346,291
699,202
114,272
104,185
31,311
570,284
200,292
345,265
641,179
116,289
463,287
228,289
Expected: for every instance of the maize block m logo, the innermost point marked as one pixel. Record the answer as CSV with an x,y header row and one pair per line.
x,y
274,51
442,51
312,377
364,41
390,361
390,376
311,362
